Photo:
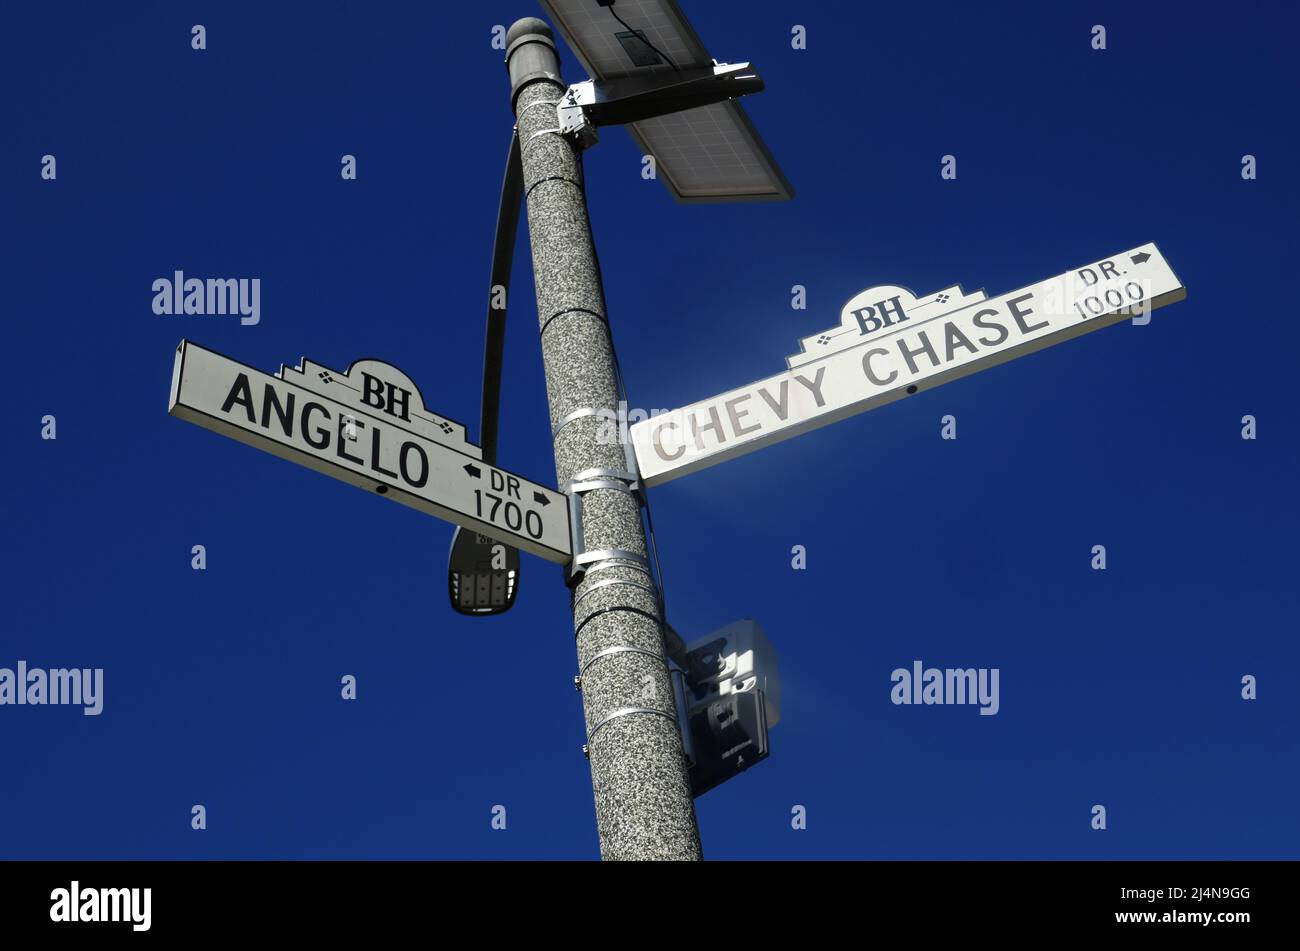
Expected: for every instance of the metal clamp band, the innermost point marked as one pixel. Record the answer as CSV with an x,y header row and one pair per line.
x,y
576,490
613,563
612,554
627,711
631,474
583,413
620,649
581,488
641,566
544,132
577,572
539,102
595,585
589,474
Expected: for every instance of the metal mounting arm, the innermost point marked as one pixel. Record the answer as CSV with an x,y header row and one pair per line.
x,y
594,103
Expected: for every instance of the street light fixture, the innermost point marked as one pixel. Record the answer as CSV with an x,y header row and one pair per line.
x,y
482,574
475,588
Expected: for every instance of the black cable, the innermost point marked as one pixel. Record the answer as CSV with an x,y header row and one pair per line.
x,y
503,255
644,39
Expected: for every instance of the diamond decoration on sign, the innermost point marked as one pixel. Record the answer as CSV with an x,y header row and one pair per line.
x,y
325,376
445,427
942,299
824,339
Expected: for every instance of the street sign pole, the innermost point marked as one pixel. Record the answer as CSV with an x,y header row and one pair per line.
x,y
639,772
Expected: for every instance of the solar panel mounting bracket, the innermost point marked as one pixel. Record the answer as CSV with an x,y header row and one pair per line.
x,y
592,103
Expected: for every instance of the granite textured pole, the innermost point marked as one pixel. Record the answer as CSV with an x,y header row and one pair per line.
x,y
644,808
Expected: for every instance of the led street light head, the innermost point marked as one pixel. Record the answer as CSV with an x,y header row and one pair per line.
x,y
482,574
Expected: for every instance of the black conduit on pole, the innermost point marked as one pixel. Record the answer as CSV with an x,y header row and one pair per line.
x,y
503,252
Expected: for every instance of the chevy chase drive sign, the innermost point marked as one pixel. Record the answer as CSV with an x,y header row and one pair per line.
x,y
891,343
369,427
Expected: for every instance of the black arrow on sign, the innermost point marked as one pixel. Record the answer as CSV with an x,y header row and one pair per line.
x,y
473,470
540,499
1140,258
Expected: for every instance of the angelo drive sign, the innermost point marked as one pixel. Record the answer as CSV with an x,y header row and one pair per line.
x,y
891,343
369,427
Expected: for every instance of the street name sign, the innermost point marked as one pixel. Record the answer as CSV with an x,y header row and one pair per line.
x,y
891,343
369,427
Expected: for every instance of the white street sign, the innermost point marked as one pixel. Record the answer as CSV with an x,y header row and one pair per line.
x,y
369,427
890,344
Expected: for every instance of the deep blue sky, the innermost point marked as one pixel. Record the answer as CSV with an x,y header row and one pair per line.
x,y
222,687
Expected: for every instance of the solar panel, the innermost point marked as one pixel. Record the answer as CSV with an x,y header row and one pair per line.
x,y
590,30
712,153
707,154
